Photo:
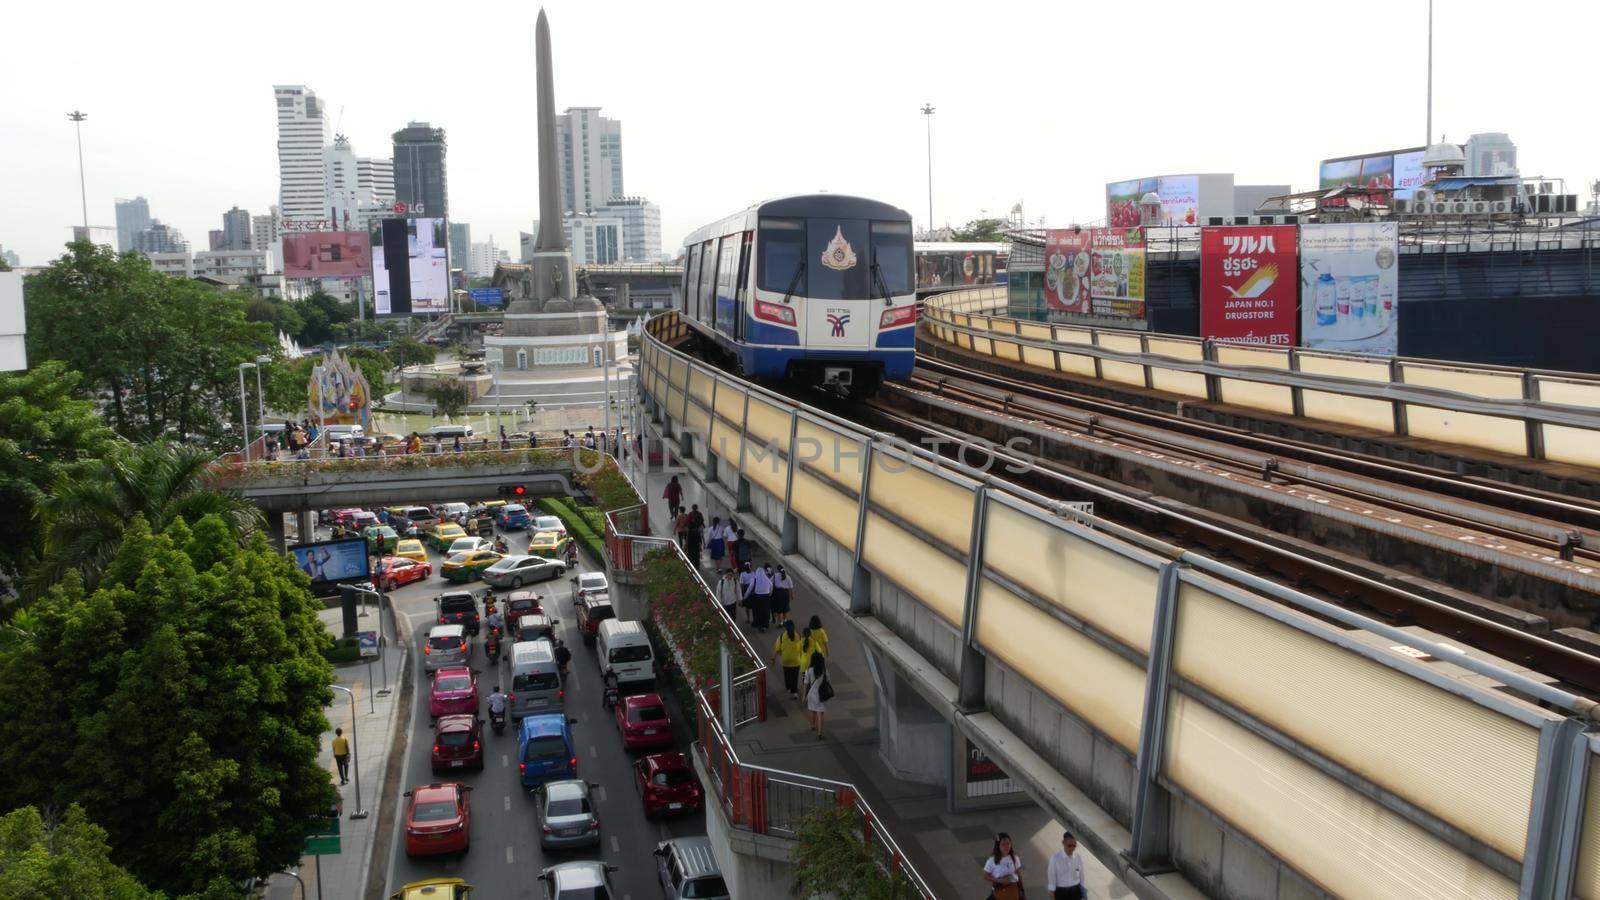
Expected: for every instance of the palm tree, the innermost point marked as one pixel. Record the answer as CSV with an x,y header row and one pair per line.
x,y
84,517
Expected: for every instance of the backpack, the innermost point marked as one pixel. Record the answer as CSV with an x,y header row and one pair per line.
x,y
824,690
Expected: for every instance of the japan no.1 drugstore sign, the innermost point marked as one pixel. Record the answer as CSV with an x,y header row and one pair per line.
x,y
1249,279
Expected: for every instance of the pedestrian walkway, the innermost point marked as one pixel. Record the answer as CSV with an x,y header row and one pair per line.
x,y
372,727
947,848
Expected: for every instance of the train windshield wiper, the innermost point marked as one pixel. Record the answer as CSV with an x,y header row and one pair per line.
x,y
794,282
879,282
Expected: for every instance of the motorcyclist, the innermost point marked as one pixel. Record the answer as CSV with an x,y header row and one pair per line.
x,y
612,688
488,601
497,705
563,656
495,620
491,644
500,546
572,554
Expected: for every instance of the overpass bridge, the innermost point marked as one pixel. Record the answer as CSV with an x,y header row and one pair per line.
x,y
1200,728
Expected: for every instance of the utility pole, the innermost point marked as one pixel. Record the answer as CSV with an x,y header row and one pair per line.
x,y
1429,141
77,122
927,112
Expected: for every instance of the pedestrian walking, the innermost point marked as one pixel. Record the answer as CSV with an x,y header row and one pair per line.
x,y
1003,870
782,595
455,445
697,532
715,543
818,692
819,635
786,652
1064,878
341,755
680,529
727,592
730,543
761,598
740,542
673,495
746,581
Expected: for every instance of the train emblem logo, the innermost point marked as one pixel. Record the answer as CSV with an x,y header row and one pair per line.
x,y
839,256
838,320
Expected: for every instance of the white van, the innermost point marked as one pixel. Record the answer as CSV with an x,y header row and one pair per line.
x,y
535,679
449,432
625,648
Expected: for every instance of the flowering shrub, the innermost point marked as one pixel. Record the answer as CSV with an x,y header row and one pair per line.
x,y
538,460
689,618
606,483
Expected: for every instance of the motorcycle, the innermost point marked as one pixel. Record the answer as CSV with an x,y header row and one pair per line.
x,y
497,721
563,657
612,694
572,556
491,645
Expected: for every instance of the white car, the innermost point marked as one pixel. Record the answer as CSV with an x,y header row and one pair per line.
x,y
451,511
467,545
345,432
590,583
548,523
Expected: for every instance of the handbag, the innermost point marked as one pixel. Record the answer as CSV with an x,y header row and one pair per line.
x,y
1008,892
825,693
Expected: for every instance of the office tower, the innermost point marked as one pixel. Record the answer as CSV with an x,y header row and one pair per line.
x,y
419,170
595,239
460,245
214,239
375,177
590,148
641,227
1491,154
342,185
302,133
237,229
264,229
133,216
160,238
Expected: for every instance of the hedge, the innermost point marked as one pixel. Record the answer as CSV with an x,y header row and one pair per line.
x,y
344,650
579,526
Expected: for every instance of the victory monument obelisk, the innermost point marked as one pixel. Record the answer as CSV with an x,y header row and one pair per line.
x,y
552,260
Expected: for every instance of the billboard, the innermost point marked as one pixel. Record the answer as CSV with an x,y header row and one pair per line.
x,y
1066,271
411,267
331,561
1400,170
1180,200
1350,279
1116,271
1248,284
335,254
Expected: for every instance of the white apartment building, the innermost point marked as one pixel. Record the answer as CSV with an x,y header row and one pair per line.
x,y
179,264
590,148
595,240
232,266
641,227
302,135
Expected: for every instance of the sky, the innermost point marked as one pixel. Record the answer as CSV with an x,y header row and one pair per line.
x,y
724,104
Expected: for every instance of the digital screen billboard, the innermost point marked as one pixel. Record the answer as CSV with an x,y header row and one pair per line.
x,y
1180,200
411,267
1400,170
331,561
335,254
1249,284
1350,279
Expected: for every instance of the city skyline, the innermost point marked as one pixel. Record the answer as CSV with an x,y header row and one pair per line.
x,y
1215,105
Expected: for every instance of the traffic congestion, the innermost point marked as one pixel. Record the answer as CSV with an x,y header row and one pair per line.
x,y
541,733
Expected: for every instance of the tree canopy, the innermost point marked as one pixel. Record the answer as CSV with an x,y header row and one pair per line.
x,y
66,859
408,351
449,396
182,700
979,230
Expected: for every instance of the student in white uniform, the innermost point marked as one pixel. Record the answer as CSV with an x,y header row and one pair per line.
x,y
1003,870
1065,878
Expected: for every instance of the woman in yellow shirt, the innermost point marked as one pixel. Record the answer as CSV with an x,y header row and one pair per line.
x,y
818,642
788,652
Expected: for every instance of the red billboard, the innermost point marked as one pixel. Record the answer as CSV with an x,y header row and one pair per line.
x,y
327,254
1249,284
1066,271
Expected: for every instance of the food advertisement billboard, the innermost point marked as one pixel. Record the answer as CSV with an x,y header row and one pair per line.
x,y
1116,271
1180,200
328,561
1350,279
1248,285
410,267
1400,170
1066,273
327,254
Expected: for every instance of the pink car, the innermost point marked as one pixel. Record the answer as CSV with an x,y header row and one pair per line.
x,y
455,692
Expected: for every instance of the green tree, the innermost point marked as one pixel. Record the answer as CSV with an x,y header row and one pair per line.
x,y
158,352
832,861
324,316
409,351
279,314
66,859
979,230
85,516
449,396
44,434
182,700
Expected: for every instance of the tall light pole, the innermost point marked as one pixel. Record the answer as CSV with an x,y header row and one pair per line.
x,y
927,112
244,413
261,398
355,752
1429,141
77,118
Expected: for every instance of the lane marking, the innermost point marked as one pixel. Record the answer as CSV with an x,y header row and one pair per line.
x,y
508,803
600,792
508,854
616,847
505,761
593,753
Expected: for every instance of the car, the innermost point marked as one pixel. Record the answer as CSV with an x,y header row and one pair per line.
x,y
592,610
454,692
481,524
446,645
515,571
532,627
589,583
458,608
490,506
567,816
667,784
340,516
344,432
434,889
467,544
438,819
397,571
521,603
361,520
412,549
443,534
548,523
458,743
583,880
644,723
463,567
512,516
688,870
449,432
548,544
381,539
545,749
451,512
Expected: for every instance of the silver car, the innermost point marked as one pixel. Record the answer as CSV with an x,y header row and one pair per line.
x,y
446,645
688,871
585,880
515,571
566,815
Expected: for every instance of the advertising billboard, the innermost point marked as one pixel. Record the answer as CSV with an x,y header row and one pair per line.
x,y
1350,279
1180,200
1066,271
331,561
1116,271
335,254
411,267
1400,170
1248,284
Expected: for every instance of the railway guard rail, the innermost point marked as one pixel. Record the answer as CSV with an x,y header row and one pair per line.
x,y
1311,733
1530,413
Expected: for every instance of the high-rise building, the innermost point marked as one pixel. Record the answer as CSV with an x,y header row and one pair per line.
x,y
237,230
302,133
133,216
641,227
419,170
590,148
1491,154
481,259
375,177
160,238
342,185
264,229
96,234
214,239
595,240
460,245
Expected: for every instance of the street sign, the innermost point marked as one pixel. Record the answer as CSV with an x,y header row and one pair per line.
x,y
325,840
399,207
368,641
488,296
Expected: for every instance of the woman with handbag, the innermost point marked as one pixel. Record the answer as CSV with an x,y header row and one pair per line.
x,y
1003,870
818,692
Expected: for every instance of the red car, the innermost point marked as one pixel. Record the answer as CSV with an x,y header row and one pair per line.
x,y
592,610
458,743
395,571
667,784
454,692
438,819
522,603
643,721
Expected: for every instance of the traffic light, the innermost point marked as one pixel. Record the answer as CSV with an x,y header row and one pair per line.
x,y
513,490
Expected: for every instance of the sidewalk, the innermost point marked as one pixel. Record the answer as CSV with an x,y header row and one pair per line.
x,y
946,848
376,721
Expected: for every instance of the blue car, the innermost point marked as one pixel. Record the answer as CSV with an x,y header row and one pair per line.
x,y
545,751
513,516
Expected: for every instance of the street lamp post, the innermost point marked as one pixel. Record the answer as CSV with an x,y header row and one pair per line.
x,y
244,412
927,112
261,397
355,751
77,118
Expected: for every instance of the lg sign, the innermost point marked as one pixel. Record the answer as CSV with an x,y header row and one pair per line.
x,y
401,208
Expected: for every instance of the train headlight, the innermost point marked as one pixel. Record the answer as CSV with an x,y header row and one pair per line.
x,y
775,312
897,316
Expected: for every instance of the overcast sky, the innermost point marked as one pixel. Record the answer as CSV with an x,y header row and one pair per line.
x,y
726,103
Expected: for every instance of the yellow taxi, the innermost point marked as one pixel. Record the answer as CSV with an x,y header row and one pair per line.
x,y
434,889
468,565
411,548
442,535
492,505
548,544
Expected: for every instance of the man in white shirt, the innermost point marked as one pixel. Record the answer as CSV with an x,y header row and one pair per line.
x,y
1064,880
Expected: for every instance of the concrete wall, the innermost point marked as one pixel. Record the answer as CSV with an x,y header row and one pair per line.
x,y
755,866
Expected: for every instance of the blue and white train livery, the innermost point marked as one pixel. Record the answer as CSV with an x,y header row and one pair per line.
x,y
816,288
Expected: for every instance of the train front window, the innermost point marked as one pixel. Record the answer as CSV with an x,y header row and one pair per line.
x,y
838,259
891,252
782,254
